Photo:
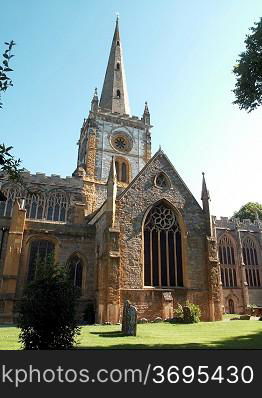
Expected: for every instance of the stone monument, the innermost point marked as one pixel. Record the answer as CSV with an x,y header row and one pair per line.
x,y
129,320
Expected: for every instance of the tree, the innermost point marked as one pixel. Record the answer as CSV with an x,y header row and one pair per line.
x,y
248,71
5,81
47,309
8,164
250,210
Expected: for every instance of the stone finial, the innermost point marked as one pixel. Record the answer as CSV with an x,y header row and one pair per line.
x,y
94,103
205,193
146,115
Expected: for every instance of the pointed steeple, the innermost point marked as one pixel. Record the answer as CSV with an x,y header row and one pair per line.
x,y
114,95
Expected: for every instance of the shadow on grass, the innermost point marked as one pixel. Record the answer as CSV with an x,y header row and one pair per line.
x,y
117,333
251,341
7,326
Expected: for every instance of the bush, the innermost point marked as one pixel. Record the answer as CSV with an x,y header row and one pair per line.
x,y
191,312
47,310
188,313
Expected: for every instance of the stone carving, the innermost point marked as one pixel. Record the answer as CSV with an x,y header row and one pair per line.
x,y
212,249
129,320
167,296
215,283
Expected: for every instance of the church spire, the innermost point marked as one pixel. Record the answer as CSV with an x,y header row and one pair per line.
x,y
114,95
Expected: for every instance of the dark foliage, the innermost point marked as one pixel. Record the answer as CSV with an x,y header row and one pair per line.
x,y
89,314
188,313
250,210
5,81
9,165
47,310
248,71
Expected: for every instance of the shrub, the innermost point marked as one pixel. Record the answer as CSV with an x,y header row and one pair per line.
x,y
191,313
179,311
47,310
188,313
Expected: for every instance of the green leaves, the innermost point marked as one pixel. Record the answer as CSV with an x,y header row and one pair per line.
x,y
5,80
47,311
248,71
9,165
251,210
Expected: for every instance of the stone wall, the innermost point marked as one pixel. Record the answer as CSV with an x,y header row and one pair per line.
x,y
132,206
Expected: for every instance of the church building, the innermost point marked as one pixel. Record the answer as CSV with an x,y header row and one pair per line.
x,y
126,225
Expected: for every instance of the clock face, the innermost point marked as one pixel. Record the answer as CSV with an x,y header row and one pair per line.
x,y
121,142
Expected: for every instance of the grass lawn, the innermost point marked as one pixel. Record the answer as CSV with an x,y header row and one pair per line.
x,y
223,334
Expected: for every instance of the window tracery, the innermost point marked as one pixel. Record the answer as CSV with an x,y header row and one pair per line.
x,y
75,265
162,248
161,181
52,206
40,251
252,268
226,254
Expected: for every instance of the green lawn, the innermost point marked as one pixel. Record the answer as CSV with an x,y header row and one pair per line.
x,y
223,334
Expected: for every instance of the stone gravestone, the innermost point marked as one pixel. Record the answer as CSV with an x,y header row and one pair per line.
x,y
186,314
129,320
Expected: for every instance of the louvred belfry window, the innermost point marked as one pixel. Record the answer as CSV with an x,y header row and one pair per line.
x,y
162,248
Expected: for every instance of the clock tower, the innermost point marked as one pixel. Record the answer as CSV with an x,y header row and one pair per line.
x,y
111,131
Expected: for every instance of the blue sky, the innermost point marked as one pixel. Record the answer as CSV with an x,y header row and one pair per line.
x,y
178,56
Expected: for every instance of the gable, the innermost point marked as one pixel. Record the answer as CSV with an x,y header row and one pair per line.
x,y
144,185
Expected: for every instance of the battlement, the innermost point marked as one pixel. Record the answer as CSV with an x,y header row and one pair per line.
x,y
235,223
53,179
113,117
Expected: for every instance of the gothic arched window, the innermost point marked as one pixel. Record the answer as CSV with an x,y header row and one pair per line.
x,y
11,193
75,266
56,206
122,170
250,258
35,204
118,94
162,248
226,254
40,251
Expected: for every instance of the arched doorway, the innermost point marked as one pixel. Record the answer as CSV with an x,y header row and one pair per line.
x,y
231,306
